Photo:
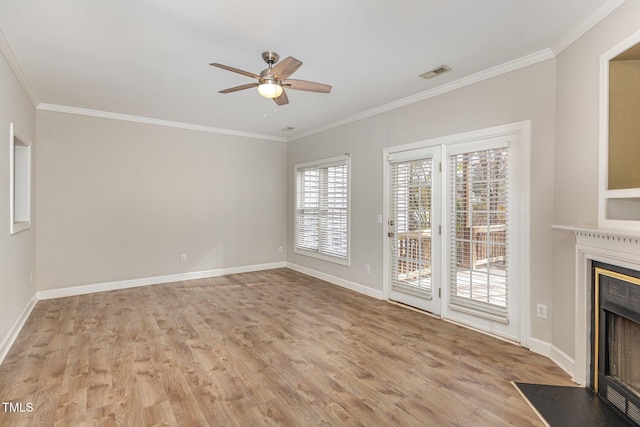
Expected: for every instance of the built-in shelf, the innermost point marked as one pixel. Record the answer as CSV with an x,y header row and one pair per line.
x,y
619,177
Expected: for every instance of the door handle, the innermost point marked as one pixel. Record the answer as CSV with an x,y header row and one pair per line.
x,y
391,234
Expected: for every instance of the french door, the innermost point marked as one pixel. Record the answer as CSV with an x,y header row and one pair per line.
x,y
414,228
453,228
482,287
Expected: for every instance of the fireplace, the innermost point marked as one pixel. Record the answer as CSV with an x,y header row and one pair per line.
x,y
616,337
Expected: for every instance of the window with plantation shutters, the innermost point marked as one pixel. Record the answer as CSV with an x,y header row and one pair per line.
x,y
479,232
322,209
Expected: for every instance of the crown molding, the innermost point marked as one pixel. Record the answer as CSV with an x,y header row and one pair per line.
x,y
516,64
574,34
152,121
12,60
581,28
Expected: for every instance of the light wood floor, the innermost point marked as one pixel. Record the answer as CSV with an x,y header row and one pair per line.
x,y
268,348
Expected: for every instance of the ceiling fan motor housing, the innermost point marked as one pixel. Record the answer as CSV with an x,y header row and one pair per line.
x,y
270,57
266,77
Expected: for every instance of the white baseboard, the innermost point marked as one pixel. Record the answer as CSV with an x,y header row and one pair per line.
x,y
541,347
559,357
357,287
8,341
146,281
568,364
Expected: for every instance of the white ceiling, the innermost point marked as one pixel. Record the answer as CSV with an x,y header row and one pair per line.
x,y
149,58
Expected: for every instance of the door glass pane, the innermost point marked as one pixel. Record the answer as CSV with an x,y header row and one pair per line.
x,y
479,230
411,192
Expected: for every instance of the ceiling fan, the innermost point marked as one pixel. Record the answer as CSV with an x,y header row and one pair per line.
x,y
272,80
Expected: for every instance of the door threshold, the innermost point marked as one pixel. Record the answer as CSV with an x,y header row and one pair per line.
x,y
410,307
453,322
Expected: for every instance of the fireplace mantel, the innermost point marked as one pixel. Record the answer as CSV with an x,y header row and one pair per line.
x,y
616,247
602,236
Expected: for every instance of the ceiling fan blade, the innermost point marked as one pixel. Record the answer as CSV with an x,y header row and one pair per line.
x,y
237,88
285,68
282,99
235,70
308,86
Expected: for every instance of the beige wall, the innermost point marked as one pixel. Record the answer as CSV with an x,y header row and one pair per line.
x,y
576,195
120,200
17,252
525,94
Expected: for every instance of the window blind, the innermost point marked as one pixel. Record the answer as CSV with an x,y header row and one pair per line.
x,y
479,232
322,208
411,191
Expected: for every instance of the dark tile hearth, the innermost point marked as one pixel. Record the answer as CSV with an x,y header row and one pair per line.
x,y
563,406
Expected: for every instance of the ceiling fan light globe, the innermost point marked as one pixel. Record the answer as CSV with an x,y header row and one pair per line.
x,y
270,90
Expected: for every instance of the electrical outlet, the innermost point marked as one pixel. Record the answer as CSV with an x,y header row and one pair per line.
x,y
367,269
541,311
183,258
280,249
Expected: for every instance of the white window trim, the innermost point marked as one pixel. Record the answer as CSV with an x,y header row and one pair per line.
x,y
323,163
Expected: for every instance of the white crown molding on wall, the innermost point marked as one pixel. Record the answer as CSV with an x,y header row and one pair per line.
x,y
574,34
158,122
579,30
543,55
516,64
12,60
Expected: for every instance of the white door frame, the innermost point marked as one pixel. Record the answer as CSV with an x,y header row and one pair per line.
x,y
521,202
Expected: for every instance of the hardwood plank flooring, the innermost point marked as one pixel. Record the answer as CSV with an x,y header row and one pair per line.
x,y
267,348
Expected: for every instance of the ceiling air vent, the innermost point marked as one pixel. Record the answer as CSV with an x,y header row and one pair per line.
x,y
436,72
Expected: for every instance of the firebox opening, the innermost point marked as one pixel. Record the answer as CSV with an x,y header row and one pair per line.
x,y
623,364
615,336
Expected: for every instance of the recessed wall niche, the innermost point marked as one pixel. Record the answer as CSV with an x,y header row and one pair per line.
x,y
20,181
624,120
619,204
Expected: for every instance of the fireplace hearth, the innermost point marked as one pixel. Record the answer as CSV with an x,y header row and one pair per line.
x,y
616,338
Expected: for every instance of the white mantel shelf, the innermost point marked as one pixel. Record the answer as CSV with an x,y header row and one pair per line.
x,y
601,233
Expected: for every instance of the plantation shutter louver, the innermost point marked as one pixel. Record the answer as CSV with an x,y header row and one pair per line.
x,y
411,192
322,209
479,232
308,209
